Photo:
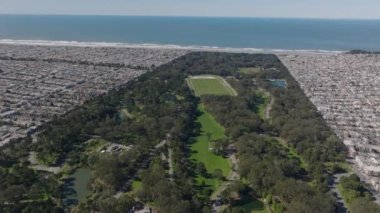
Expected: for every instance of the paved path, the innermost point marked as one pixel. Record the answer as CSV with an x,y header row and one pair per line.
x,y
163,157
37,166
268,108
233,176
161,144
129,182
170,161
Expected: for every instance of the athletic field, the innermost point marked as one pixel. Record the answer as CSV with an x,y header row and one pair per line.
x,y
210,85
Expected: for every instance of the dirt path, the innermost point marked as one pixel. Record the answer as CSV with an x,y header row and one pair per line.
x,y
268,108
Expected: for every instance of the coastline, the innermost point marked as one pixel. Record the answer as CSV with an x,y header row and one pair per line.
x,y
165,46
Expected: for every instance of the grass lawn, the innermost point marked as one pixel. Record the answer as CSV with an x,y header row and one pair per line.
x,y
249,205
255,206
201,151
261,105
343,166
210,85
293,153
250,70
179,97
136,185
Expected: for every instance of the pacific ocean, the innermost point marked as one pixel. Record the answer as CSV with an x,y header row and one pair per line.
x,y
262,33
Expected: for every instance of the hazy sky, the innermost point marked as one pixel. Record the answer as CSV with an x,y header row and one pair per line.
x,y
362,9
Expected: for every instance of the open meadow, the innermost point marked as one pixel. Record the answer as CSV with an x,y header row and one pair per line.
x,y
210,130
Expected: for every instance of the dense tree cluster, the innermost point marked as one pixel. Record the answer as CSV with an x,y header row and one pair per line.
x,y
24,189
265,163
364,205
234,114
105,203
160,108
60,136
314,141
356,195
352,188
167,195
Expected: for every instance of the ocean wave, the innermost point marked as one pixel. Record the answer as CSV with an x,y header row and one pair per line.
x,y
161,46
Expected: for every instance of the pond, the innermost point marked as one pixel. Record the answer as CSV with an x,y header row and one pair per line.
x,y
75,187
281,83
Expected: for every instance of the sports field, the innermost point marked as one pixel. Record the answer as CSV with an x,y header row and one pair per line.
x,y
210,85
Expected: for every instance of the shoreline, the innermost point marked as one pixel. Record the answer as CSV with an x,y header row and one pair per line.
x,y
164,46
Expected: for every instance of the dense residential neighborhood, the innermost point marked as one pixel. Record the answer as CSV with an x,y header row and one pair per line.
x,y
94,55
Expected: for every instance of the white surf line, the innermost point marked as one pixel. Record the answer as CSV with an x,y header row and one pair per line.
x,y
165,46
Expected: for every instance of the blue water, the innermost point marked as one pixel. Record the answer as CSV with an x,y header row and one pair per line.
x,y
310,34
280,83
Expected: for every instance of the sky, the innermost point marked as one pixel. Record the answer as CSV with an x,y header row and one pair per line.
x,y
341,9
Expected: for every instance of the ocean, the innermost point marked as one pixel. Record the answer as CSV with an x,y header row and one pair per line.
x,y
255,33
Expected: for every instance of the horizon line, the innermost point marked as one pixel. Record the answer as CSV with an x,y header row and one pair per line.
x,y
193,16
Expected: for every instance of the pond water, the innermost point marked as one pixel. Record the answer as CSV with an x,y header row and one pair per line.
x,y
75,187
281,83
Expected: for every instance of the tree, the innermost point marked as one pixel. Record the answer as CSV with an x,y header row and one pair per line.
x,y
108,169
218,173
220,146
208,135
299,197
226,196
201,169
14,193
364,205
